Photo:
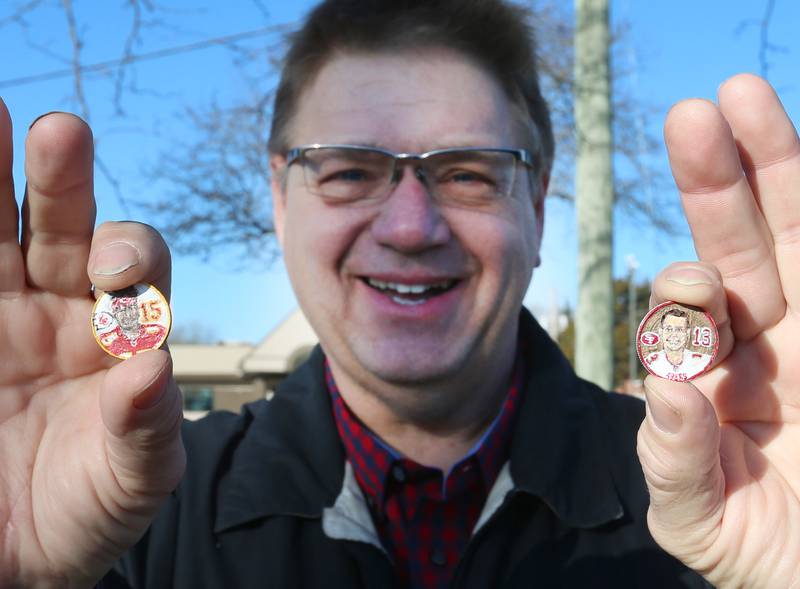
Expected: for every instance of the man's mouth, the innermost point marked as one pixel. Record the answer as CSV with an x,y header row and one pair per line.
x,y
410,294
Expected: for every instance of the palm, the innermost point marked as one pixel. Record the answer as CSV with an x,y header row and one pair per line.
x,y
725,485
754,393
44,390
77,483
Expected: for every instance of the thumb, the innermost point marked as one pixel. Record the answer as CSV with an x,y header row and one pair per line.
x,y
142,410
678,447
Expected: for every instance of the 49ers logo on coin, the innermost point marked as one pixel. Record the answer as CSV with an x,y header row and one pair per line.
x,y
130,321
677,342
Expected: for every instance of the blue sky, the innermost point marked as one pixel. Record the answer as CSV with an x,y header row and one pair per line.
x,y
675,50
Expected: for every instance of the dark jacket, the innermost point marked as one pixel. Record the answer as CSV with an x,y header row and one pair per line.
x,y
265,490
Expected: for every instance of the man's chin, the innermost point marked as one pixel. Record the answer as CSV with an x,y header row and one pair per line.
x,y
412,368
416,375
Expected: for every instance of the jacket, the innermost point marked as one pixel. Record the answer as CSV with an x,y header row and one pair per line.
x,y
268,500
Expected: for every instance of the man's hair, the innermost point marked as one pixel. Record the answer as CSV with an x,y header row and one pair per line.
x,y
493,33
675,313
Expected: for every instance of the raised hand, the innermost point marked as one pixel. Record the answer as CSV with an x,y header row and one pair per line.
x,y
721,454
89,445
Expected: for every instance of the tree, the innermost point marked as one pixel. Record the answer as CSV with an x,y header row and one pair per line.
x,y
566,337
622,343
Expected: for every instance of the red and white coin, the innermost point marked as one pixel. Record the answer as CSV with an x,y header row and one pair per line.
x,y
131,321
677,342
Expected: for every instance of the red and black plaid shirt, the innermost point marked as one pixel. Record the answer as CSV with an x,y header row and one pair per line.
x,y
423,516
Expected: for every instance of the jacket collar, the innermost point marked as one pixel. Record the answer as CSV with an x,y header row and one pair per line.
x,y
560,449
290,461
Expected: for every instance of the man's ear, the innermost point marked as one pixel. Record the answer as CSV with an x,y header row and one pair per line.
x,y
277,166
539,194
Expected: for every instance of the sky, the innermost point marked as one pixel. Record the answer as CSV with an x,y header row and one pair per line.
x,y
671,51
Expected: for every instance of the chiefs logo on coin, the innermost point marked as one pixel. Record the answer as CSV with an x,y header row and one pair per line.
x,y
677,342
130,321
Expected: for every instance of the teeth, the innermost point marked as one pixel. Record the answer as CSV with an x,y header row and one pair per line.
x,y
408,288
407,302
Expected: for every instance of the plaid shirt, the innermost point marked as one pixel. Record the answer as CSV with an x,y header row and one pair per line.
x,y
423,516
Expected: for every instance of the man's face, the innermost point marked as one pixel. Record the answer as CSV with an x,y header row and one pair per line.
x,y
127,316
349,264
675,332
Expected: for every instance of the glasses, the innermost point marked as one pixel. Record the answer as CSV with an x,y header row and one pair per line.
x,y
670,329
466,176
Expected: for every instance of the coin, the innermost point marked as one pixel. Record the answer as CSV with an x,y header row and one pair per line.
x,y
677,342
132,320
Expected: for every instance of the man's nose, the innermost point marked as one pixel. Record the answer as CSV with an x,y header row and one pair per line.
x,y
410,221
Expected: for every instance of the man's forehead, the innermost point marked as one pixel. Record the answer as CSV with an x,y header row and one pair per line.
x,y
411,101
673,319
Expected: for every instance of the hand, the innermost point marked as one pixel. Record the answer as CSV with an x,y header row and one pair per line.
x,y
89,445
721,454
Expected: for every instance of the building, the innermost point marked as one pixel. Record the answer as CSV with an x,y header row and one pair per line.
x,y
226,375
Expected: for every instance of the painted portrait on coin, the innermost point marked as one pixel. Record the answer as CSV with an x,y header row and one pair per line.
x,y
677,342
130,321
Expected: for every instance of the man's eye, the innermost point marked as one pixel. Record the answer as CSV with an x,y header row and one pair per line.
x,y
348,175
467,177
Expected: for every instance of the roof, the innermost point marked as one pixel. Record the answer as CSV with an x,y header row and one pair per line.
x,y
221,360
280,350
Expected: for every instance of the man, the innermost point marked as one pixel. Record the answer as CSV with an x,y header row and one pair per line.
x,y
675,361
437,438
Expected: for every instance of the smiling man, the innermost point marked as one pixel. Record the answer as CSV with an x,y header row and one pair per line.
x,y
437,437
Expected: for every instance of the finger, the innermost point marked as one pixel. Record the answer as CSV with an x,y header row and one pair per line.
x,y
678,447
770,153
59,209
141,408
698,284
124,253
12,277
727,227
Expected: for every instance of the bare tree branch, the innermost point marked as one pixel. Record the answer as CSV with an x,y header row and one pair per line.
x,y
77,45
215,185
764,45
20,12
216,196
77,68
262,8
127,52
640,189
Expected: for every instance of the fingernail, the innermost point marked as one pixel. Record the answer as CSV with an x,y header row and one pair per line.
x,y
115,258
665,416
36,120
689,277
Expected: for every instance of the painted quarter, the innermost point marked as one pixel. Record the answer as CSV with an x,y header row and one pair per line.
x,y
131,321
677,342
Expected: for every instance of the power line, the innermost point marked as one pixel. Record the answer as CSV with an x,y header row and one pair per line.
x,y
152,55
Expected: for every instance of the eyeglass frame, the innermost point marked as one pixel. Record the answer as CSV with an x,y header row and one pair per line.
x,y
521,155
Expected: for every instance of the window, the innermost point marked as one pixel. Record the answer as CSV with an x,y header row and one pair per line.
x,y
198,398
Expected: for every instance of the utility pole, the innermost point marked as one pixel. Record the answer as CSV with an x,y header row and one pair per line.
x,y
594,192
